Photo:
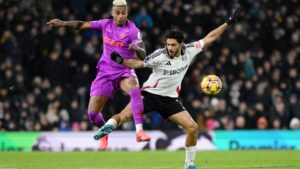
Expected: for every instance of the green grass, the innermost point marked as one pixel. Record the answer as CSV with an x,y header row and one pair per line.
x,y
151,160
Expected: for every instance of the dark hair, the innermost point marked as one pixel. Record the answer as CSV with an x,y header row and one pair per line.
x,y
174,33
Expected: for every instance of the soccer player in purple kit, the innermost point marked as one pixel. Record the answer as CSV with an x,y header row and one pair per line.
x,y
120,37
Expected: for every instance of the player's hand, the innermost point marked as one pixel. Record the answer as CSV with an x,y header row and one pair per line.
x,y
133,47
234,16
116,58
56,23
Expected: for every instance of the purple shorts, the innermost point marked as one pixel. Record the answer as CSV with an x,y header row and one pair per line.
x,y
105,83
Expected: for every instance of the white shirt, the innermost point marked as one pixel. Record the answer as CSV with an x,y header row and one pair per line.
x,y
168,73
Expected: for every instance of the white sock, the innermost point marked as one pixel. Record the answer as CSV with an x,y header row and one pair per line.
x,y
190,155
112,122
138,127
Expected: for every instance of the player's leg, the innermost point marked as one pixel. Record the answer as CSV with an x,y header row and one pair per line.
x,y
190,126
101,90
115,121
112,124
95,107
130,86
124,116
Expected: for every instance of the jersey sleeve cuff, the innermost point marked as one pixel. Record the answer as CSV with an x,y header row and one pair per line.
x,y
201,43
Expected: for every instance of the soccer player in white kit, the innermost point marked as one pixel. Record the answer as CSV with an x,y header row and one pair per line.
x,y
162,88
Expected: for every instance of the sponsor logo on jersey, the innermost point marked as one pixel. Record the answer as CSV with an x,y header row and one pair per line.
x,y
123,35
176,71
112,42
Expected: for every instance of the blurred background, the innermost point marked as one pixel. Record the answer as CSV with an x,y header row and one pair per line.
x,y
45,73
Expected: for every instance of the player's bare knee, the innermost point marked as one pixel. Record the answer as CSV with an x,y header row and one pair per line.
x,y
93,109
96,104
128,85
192,128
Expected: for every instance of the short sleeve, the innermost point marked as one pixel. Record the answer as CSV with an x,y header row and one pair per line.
x,y
137,37
194,48
98,25
153,59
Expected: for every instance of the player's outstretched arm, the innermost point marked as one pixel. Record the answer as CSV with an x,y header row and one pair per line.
x,y
131,63
81,25
213,35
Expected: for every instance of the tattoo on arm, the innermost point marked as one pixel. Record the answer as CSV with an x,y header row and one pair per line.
x,y
141,53
74,24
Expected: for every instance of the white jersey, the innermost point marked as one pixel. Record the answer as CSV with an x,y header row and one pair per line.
x,y
168,73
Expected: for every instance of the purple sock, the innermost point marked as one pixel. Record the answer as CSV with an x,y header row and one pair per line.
x,y
137,105
96,118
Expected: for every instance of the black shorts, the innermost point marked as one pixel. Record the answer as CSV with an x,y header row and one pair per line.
x,y
166,106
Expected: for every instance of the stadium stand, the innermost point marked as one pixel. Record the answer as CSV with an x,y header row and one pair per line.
x,y
45,73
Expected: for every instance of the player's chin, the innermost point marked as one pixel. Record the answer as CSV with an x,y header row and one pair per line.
x,y
171,54
120,22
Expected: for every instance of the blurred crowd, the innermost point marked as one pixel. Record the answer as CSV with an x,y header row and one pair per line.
x,y
45,73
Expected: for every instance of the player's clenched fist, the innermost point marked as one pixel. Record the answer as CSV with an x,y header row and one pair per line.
x,y
133,47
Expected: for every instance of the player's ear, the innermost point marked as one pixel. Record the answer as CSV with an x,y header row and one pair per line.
x,y
181,44
181,48
112,11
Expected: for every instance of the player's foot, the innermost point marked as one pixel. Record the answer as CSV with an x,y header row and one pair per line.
x,y
141,136
104,130
190,167
104,142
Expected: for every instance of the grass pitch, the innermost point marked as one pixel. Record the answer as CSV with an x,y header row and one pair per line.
x,y
151,160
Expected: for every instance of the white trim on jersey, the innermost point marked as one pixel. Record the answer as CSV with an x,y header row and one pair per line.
x,y
168,73
138,40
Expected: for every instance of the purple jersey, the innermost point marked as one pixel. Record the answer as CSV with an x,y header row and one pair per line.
x,y
115,39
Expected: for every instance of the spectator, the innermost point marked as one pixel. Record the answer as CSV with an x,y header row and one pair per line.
x,y
295,124
262,123
144,20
